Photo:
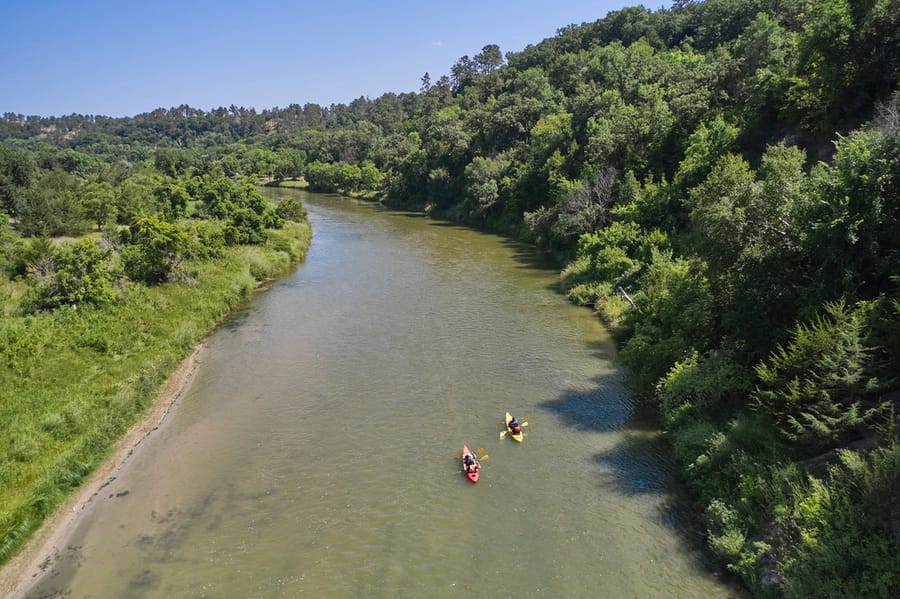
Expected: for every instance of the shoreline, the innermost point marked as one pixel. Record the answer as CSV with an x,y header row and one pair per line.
x,y
45,545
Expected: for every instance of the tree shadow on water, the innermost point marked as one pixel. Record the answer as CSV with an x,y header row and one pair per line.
x,y
639,463
606,408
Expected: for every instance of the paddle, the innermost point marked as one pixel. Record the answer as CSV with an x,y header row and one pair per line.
x,y
478,458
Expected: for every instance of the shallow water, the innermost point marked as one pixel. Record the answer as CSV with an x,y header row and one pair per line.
x,y
316,451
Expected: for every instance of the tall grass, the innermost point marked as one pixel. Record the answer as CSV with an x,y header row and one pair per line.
x,y
73,381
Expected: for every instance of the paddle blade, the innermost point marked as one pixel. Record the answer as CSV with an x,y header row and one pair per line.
x,y
483,458
524,424
480,450
502,434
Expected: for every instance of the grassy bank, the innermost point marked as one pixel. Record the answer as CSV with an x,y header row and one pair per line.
x,y
73,381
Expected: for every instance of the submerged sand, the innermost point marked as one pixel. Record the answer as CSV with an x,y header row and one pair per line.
x,y
45,546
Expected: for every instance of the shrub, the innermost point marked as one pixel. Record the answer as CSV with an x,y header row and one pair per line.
x,y
78,273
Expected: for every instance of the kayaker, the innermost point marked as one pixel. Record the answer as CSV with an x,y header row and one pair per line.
x,y
514,426
471,465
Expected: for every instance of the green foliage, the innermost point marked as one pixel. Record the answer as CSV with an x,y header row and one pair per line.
x,y
155,252
730,461
819,387
694,386
75,274
217,195
848,547
322,176
838,47
172,199
53,206
853,225
290,208
135,198
98,200
725,536
171,162
718,219
675,316
17,173
485,183
705,146
11,248
252,215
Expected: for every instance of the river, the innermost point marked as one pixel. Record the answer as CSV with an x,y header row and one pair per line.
x,y
315,452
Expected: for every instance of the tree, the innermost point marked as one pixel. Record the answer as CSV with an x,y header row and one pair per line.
x,y
718,220
675,318
171,162
17,174
99,202
290,208
461,72
586,210
135,197
489,59
54,207
77,273
289,164
155,251
485,183
172,199
852,228
370,178
705,145
819,386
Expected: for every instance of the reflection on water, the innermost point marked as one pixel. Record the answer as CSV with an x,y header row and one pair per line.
x,y
315,452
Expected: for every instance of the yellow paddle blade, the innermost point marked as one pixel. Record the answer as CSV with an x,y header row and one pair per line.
x,y
524,424
480,449
502,434
484,458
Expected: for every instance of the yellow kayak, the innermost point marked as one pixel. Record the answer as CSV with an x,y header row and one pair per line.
x,y
518,436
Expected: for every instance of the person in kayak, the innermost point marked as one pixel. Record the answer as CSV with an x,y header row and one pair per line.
x,y
514,426
471,464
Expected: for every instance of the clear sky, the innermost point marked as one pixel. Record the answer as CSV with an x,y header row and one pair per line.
x,y
123,57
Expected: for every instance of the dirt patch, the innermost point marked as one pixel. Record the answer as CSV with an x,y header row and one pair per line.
x,y
45,546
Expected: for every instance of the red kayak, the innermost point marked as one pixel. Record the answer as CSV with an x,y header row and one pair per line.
x,y
471,473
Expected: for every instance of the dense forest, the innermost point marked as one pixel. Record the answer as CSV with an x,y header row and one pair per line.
x,y
721,180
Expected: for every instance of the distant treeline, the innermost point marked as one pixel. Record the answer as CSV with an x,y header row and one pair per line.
x,y
722,179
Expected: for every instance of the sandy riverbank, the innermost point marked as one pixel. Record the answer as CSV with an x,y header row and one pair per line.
x,y
45,546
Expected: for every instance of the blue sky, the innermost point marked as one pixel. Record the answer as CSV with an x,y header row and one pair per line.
x,y
121,58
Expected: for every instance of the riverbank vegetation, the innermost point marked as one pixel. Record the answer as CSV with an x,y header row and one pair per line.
x,y
95,322
723,180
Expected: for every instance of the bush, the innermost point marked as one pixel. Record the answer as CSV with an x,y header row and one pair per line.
x,y
850,545
78,273
156,252
820,386
695,385
292,209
